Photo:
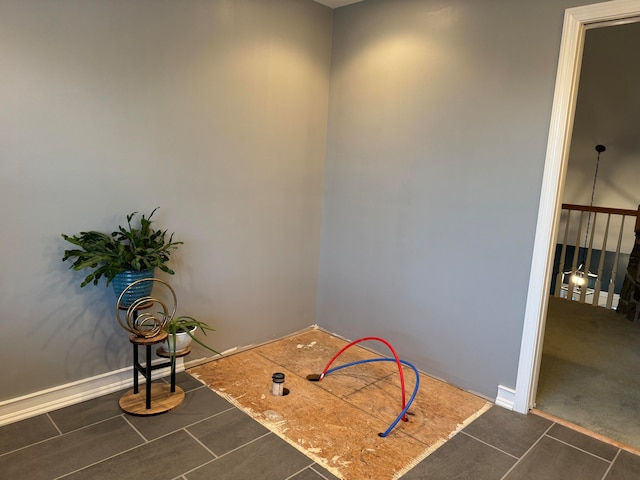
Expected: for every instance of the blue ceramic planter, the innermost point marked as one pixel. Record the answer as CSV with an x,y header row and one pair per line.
x,y
143,289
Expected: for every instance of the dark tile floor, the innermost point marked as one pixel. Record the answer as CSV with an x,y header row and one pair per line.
x,y
207,437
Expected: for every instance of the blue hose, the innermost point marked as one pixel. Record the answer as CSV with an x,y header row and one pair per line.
x,y
413,395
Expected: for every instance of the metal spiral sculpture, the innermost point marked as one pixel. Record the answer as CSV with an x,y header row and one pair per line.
x,y
145,324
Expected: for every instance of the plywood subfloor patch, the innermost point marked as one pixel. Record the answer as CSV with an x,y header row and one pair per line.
x,y
336,421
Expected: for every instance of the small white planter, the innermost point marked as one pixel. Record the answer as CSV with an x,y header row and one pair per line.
x,y
183,340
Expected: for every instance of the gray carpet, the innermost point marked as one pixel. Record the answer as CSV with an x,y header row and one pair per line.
x,y
590,371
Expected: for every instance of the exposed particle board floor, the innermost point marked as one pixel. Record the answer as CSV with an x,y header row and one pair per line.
x,y
336,421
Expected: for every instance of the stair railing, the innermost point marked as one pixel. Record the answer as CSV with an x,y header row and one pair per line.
x,y
580,283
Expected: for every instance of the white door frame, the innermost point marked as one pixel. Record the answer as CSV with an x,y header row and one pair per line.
x,y
576,21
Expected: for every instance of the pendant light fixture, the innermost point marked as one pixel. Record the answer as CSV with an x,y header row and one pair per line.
x,y
580,278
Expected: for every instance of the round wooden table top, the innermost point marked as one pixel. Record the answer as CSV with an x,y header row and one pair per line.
x,y
161,337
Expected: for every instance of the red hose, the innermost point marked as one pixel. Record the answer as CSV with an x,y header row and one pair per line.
x,y
395,355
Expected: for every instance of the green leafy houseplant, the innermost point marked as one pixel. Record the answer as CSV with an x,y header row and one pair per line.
x,y
188,325
130,248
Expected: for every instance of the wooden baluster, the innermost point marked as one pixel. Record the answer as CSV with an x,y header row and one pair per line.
x,y
612,281
587,262
603,251
560,275
574,260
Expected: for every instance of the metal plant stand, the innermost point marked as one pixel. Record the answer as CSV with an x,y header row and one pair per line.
x,y
146,330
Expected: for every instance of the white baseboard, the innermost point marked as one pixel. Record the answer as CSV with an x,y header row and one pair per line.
x,y
51,399
506,397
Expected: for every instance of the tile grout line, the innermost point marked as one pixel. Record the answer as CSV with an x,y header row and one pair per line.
x,y
200,443
59,436
124,417
181,428
226,453
102,460
61,433
231,407
144,439
93,424
527,452
54,424
145,442
319,473
489,445
578,448
611,464
308,467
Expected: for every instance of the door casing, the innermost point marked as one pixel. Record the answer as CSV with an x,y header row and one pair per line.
x,y
576,21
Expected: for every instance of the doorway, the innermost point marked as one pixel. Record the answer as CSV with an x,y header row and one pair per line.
x,y
591,354
577,21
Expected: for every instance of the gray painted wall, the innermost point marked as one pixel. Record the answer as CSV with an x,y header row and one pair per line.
x,y
438,122
438,125
216,111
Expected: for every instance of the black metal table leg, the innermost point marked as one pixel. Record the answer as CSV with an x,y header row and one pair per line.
x,y
173,373
148,376
136,362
